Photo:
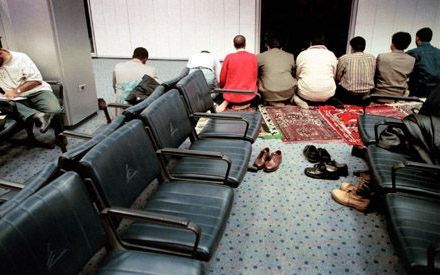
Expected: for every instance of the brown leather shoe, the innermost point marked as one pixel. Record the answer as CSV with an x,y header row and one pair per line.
x,y
351,199
274,162
345,186
263,156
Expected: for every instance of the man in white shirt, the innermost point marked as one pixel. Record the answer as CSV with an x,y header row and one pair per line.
x,y
208,64
19,77
127,75
315,71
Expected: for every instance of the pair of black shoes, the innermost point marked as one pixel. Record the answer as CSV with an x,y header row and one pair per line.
x,y
325,167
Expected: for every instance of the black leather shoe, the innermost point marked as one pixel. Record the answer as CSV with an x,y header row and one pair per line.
x,y
43,121
322,171
311,153
324,156
341,167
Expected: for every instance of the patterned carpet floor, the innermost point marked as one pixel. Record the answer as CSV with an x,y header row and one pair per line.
x,y
287,223
281,222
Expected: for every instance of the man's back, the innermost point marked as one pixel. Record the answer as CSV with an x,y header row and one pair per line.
x,y
133,70
356,72
276,69
239,71
426,74
316,68
392,71
127,75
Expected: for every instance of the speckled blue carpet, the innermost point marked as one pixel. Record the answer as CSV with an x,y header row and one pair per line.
x,y
281,222
287,223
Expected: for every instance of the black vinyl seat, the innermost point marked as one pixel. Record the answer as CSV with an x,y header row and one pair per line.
x,y
134,111
15,197
58,230
197,96
125,164
414,225
171,83
216,159
407,179
367,123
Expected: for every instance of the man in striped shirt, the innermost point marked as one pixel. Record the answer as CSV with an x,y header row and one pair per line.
x,y
355,73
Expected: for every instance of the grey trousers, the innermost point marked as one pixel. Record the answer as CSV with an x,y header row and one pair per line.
x,y
41,101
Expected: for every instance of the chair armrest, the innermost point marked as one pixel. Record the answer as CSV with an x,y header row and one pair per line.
x,y
118,105
8,107
163,219
11,185
234,91
384,123
74,134
195,154
433,250
410,164
370,98
224,117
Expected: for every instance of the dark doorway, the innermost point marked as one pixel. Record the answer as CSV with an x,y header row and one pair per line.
x,y
295,21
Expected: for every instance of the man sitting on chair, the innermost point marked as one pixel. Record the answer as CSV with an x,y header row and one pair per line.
x,y
239,72
20,77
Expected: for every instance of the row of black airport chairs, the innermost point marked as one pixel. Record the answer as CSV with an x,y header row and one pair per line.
x,y
410,189
144,194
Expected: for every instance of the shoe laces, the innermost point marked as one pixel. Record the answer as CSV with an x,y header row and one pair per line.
x,y
363,189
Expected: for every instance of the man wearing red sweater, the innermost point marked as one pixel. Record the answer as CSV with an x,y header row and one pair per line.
x,y
239,72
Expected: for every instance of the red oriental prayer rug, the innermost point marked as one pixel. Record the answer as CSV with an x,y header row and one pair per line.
x,y
344,121
300,125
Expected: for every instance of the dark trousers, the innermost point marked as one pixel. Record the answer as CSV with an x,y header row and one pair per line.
x,y
348,97
333,101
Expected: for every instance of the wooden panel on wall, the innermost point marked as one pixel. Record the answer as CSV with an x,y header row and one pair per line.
x,y
377,20
172,29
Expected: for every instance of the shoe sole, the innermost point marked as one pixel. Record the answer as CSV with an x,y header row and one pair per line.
x,y
320,177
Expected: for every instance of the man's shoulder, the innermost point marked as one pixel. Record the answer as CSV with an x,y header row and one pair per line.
x,y
19,56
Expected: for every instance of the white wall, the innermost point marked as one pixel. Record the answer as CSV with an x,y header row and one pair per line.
x,y
377,20
171,28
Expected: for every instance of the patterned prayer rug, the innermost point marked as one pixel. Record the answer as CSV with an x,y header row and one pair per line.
x,y
344,121
300,125
268,130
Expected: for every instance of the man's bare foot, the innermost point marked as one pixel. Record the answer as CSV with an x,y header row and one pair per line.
x,y
300,103
240,107
220,108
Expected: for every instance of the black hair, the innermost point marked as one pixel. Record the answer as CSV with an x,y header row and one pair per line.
x,y
358,44
318,39
239,41
424,34
274,42
401,40
140,53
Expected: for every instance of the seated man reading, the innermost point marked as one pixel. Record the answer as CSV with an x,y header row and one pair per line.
x,y
239,72
19,77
